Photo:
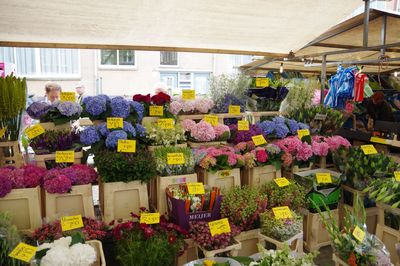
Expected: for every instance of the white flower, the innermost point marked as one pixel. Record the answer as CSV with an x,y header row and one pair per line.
x,y
44,246
63,242
59,255
82,254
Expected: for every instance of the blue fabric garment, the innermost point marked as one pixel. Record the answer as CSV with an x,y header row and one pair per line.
x,y
341,87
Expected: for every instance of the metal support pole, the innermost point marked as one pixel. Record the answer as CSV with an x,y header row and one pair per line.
x,y
366,23
323,78
383,33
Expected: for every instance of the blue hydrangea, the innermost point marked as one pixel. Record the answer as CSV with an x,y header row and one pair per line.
x,y
113,137
69,108
89,135
267,127
102,128
303,126
86,99
293,126
96,105
105,98
128,128
139,109
140,130
281,130
120,107
279,120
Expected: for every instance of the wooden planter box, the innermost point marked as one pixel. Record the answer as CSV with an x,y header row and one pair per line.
x,y
162,182
190,253
206,144
232,249
321,163
42,159
10,154
24,206
338,261
152,148
295,243
148,120
119,199
249,240
78,201
100,260
315,234
257,115
296,169
224,179
52,126
258,176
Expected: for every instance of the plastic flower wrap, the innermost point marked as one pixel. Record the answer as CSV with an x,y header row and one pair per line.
x,y
156,135
199,105
120,107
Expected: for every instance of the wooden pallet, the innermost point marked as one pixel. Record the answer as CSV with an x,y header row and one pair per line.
x,y
10,154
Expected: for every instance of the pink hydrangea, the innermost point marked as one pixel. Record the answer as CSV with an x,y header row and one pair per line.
x,y
220,129
261,156
202,131
320,148
207,162
289,144
175,107
33,175
336,142
304,152
60,184
232,159
212,151
241,146
204,105
188,106
287,159
5,182
188,124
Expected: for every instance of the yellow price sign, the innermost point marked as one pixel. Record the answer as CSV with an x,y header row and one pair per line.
x,y
115,122
302,133
359,234
262,82
397,175
156,110
34,131
67,97
150,218
211,119
188,94
167,123
71,222
65,156
196,188
219,227
175,158
324,178
282,182
234,109
259,140
126,145
2,131
379,140
243,125
282,212
23,252
368,149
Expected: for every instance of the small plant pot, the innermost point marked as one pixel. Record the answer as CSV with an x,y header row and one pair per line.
x,y
249,240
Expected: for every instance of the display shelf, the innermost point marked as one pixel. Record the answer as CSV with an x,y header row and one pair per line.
x,y
258,176
195,145
10,154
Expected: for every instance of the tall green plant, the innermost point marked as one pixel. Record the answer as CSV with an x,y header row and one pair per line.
x,y
12,104
9,238
224,84
300,95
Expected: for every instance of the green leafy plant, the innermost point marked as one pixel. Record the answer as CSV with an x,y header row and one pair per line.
x,y
155,135
292,195
283,257
281,229
385,190
165,169
9,239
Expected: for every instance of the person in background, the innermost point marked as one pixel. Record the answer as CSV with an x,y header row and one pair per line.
x,y
80,90
378,109
53,91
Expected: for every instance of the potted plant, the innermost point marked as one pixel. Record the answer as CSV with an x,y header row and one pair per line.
x,y
179,106
157,137
324,147
9,240
283,257
204,134
280,127
292,195
238,136
160,100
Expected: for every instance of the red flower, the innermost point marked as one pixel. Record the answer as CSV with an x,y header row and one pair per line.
x,y
160,98
262,156
141,98
352,261
171,239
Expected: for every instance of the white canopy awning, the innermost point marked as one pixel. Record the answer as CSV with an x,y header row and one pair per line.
x,y
257,27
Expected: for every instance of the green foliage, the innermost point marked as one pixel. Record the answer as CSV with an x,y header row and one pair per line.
x,y
9,239
125,167
292,195
284,258
164,169
385,190
300,95
221,85
155,135
281,229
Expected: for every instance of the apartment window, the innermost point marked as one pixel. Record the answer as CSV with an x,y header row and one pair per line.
x,y
117,57
176,81
168,58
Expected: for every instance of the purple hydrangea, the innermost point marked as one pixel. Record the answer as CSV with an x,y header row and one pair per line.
x,y
243,136
120,107
303,126
140,130
69,108
139,109
113,137
95,105
38,109
293,126
102,128
279,119
128,128
89,135
86,99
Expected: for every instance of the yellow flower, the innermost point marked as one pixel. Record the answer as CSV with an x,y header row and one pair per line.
x,y
208,262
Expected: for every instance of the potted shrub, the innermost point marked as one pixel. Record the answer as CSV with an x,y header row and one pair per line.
x,y
204,134
9,240
157,137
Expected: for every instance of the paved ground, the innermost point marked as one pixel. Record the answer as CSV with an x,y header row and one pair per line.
x,y
325,257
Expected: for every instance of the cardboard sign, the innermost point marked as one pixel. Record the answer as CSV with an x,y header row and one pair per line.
x,y
115,122
126,145
359,234
156,110
34,131
303,132
150,218
324,178
71,222
378,140
167,123
211,119
65,156
243,125
321,117
397,176
234,109
188,94
196,188
368,149
67,97
23,252
282,212
282,182
262,82
2,131
175,158
259,140
219,227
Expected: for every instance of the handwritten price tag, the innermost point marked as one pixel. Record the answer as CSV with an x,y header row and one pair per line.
x,y
65,156
167,123
219,227
234,109
23,252
71,222
188,94
150,218
379,140
156,110
211,119
359,234
67,97
282,212
126,145
175,158
2,131
243,125
397,176
195,188
262,82
34,131
282,182
321,117
303,132
115,122
324,178
368,149
259,140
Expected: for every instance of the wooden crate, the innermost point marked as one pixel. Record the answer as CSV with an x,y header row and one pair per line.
x,y
148,120
315,234
232,249
119,199
42,159
295,243
100,259
52,126
249,240
296,169
190,253
257,176
224,179
152,148
257,115
10,154
163,182
78,201
24,206
206,144
338,261
321,163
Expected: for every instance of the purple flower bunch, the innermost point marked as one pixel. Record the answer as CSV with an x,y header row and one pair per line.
x,y
243,136
70,109
55,140
5,182
229,99
38,109
89,135
120,107
280,127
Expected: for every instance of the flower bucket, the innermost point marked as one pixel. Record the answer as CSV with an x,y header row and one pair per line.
x,y
232,249
224,179
206,144
10,154
249,240
152,148
258,176
24,206
100,259
42,159
295,243
78,201
53,126
119,199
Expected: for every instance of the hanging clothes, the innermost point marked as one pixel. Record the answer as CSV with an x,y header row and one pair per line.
x,y
359,84
341,87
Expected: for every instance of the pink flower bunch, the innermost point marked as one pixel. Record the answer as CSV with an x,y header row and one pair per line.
x,y
5,182
220,130
261,154
80,174
319,147
215,159
200,105
28,176
244,147
301,151
60,184
204,131
188,124
337,142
